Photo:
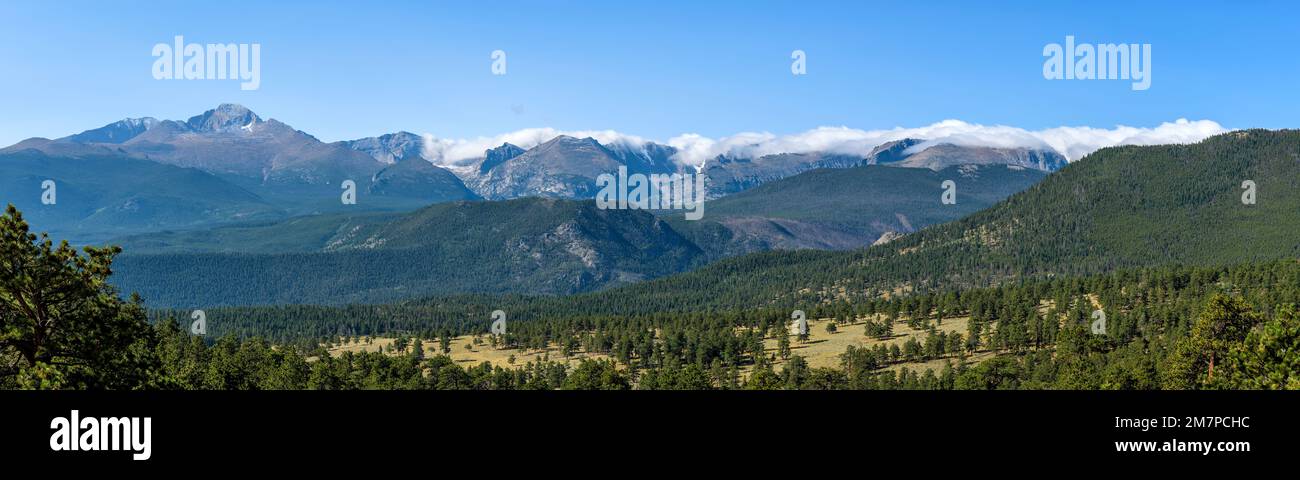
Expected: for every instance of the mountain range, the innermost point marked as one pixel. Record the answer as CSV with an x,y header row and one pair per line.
x,y
229,195
246,168
251,168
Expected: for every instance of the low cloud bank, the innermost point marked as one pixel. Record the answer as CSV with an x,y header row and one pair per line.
x,y
692,149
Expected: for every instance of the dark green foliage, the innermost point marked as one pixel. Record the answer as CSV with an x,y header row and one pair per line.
x,y
527,245
1267,359
61,324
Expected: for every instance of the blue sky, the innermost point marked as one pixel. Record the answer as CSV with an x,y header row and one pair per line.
x,y
655,69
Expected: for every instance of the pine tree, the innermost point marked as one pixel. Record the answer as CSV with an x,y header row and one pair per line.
x,y
61,323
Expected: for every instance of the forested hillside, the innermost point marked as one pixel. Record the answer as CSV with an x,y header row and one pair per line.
x,y
532,245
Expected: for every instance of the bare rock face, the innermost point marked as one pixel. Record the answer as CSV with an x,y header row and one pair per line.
x,y
887,237
390,148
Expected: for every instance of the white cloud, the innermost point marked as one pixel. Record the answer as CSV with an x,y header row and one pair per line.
x,y
1076,142
1072,142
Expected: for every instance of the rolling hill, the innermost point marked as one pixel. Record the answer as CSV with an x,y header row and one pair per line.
x,y
528,245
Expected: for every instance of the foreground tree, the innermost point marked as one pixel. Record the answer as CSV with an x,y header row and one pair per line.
x,y
61,324
1224,322
1267,359
596,375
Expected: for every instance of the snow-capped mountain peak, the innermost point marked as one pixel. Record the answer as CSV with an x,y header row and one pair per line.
x,y
226,117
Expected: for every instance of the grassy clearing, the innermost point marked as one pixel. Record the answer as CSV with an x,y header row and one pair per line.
x,y
822,349
466,357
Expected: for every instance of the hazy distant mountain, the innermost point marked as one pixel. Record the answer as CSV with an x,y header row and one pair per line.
x,y
116,132
564,167
848,207
232,141
390,148
227,140
567,167
64,148
285,171
913,153
727,175
730,175
101,196
414,177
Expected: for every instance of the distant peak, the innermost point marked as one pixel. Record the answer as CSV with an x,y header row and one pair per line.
x,y
400,135
495,156
505,147
227,116
572,139
233,108
893,151
145,122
